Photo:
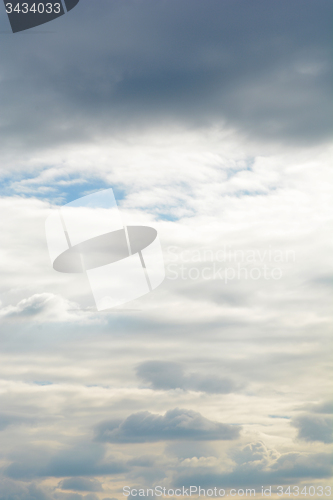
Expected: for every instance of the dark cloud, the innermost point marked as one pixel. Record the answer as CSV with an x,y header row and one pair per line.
x,y
314,428
167,375
82,460
262,69
80,484
175,424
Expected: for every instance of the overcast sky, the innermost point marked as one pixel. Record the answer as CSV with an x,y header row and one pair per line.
x,y
211,120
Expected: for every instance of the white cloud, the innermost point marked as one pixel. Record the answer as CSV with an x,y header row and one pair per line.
x,y
61,358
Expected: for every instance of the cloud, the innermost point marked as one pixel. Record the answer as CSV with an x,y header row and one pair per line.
x,y
314,428
175,424
143,461
86,459
183,450
209,117
80,484
161,374
325,407
168,375
5,421
192,65
257,453
10,490
255,465
37,304
47,307
75,496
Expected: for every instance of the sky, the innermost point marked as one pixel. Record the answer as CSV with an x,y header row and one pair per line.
x,y
211,121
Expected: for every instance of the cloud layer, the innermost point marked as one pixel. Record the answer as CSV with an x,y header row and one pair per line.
x,y
175,424
167,375
211,121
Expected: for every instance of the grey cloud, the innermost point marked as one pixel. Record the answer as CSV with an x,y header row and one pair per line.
x,y
81,460
175,424
325,407
131,63
7,420
255,452
167,375
264,70
161,374
314,428
70,496
75,496
257,465
80,484
143,461
10,490
189,450
302,465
